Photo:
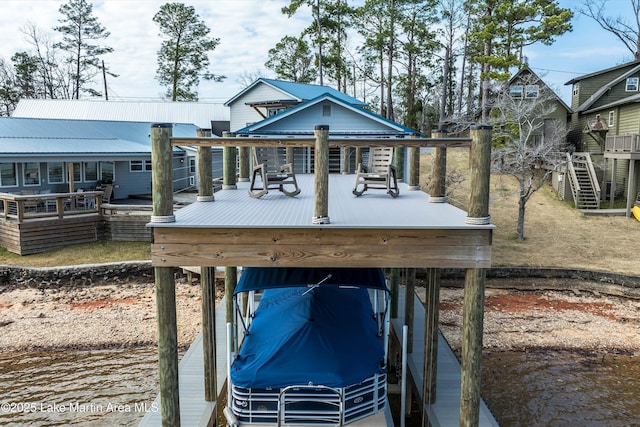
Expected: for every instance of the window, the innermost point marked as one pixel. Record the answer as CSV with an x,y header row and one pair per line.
x,y
576,89
192,165
632,84
516,91
31,173
272,111
107,171
531,91
326,110
140,166
77,172
612,118
8,175
90,171
55,172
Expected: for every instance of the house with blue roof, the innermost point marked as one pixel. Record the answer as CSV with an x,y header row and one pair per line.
x,y
273,107
36,156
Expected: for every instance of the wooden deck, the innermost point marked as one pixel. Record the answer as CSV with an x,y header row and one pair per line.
x,y
374,230
446,411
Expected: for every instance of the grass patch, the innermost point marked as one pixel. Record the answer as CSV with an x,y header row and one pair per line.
x,y
85,253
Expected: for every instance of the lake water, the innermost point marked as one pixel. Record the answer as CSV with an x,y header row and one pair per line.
x,y
116,387
71,387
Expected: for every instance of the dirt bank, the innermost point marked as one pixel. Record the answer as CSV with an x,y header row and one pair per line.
x,y
124,315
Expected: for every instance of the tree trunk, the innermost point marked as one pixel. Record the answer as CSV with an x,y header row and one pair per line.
x,y
522,203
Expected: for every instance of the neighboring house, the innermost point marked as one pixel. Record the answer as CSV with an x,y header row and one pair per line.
x,y
526,84
606,123
273,107
35,155
214,116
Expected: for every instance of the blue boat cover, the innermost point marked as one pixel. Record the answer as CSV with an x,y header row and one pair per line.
x,y
256,278
323,336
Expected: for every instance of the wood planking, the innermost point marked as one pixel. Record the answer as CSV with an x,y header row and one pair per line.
x,y
322,247
43,235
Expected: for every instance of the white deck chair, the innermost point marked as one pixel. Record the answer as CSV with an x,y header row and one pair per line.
x,y
271,172
379,173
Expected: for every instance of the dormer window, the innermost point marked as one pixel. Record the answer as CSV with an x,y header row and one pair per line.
x,y
272,111
632,84
516,91
531,91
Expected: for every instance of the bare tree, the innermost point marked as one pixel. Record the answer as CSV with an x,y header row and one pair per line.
x,y
526,139
626,30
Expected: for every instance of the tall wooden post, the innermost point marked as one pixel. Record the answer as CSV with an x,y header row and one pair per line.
x,y
432,308
205,169
230,280
229,166
438,190
208,284
345,160
244,163
207,276
321,175
398,162
162,190
358,156
473,314
413,179
409,301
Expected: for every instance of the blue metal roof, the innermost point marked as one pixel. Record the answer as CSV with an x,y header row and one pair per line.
x,y
59,136
300,91
385,126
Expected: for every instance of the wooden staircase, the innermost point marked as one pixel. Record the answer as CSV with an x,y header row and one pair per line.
x,y
584,182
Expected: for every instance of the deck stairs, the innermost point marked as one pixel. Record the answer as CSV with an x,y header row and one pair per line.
x,y
584,182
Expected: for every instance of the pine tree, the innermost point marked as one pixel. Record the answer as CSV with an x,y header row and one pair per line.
x,y
80,30
183,56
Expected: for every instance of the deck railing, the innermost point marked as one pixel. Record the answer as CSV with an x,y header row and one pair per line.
x,y
18,207
623,143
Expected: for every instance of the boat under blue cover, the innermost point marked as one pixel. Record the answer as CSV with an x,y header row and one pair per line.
x,y
323,335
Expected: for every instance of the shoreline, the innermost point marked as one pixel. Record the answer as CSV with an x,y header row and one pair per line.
x,y
520,315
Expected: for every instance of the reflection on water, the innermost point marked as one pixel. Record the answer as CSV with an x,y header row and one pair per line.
x,y
559,388
115,387
71,387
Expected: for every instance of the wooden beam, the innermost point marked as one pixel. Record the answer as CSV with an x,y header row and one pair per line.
x,y
239,141
322,247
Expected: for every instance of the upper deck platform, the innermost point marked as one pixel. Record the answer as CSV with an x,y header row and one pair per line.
x,y
374,230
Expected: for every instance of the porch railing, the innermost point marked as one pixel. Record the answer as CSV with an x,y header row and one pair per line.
x,y
18,207
623,143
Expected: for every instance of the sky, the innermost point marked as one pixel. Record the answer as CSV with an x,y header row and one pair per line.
x,y
249,28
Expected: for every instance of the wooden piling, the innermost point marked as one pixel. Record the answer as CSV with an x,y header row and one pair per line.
x,y
475,278
162,190
230,280
321,175
208,284
409,299
438,190
432,310
229,166
205,169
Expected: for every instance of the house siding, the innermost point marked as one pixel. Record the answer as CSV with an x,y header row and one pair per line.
x,y
628,120
340,119
243,115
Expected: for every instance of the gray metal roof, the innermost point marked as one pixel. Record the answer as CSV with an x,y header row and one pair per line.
x,y
196,113
56,136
